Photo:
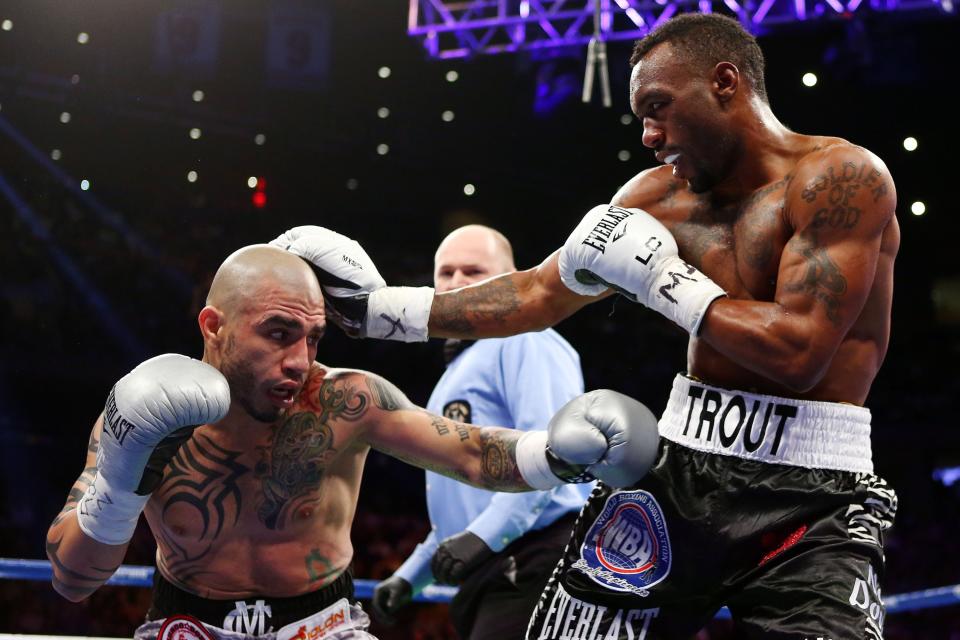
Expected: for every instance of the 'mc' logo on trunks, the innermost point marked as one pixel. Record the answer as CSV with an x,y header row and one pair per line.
x,y
627,548
598,236
111,415
734,421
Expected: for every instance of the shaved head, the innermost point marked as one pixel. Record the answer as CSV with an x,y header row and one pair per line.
x,y
470,254
244,275
261,328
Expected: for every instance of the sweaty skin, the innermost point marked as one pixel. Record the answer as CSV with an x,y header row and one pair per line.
x,y
799,230
261,503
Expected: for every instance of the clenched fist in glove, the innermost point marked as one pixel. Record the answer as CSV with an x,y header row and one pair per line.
x,y
632,252
358,299
149,413
601,435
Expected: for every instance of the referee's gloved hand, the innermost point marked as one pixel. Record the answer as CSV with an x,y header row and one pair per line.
x,y
458,556
389,597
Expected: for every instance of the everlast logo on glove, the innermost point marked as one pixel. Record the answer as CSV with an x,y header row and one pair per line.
x,y
597,238
734,418
111,415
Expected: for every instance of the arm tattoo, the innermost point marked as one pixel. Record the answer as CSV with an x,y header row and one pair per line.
x,y
833,195
492,302
76,492
66,580
203,476
822,280
442,425
83,482
498,466
386,395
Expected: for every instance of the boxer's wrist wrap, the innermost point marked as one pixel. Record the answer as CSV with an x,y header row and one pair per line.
x,y
541,468
532,461
109,515
682,293
399,313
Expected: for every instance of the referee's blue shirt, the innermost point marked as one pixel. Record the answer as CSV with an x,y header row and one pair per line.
x,y
519,382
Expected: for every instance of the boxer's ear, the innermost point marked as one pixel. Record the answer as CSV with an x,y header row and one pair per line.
x,y
211,322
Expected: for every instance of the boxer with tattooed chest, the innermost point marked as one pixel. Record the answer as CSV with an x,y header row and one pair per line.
x,y
248,464
774,251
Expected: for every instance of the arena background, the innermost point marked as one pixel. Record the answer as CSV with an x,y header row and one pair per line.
x,y
98,275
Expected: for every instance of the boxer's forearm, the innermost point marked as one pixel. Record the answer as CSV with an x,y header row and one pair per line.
x,y
513,303
80,563
788,348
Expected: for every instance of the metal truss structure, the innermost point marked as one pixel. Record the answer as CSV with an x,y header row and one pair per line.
x,y
466,28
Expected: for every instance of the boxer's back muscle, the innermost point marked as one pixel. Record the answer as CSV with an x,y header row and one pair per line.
x,y
739,244
269,512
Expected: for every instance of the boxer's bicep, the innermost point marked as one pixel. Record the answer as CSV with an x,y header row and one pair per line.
x,y
506,305
80,564
839,209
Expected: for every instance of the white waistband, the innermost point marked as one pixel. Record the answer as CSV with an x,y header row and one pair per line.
x,y
802,433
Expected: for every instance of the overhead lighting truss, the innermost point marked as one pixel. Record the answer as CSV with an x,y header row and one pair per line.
x,y
469,28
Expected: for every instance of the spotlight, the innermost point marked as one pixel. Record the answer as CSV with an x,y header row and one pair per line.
x,y
75,79
252,182
452,76
195,133
447,116
623,155
198,96
65,117
192,176
383,112
84,185
626,119
383,72
55,154
910,143
259,139
469,189
83,37
383,149
809,79
6,25
352,184
918,208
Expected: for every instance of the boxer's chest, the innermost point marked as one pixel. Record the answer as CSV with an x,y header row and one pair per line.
x,y
268,485
738,245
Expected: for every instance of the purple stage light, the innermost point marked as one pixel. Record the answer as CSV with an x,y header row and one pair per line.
x,y
466,28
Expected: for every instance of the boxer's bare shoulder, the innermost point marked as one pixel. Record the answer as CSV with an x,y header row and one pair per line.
x,y
657,192
841,185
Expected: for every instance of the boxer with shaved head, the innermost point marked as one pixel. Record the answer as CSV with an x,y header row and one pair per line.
x,y
247,464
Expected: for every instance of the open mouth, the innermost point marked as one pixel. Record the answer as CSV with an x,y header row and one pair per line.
x,y
283,395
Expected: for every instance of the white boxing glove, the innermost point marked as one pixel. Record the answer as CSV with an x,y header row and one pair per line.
x,y
601,435
149,413
358,298
632,252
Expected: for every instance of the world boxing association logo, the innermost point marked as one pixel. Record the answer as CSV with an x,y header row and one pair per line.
x,y
627,548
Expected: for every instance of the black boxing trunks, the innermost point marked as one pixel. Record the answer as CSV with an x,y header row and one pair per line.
x,y
329,612
766,505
